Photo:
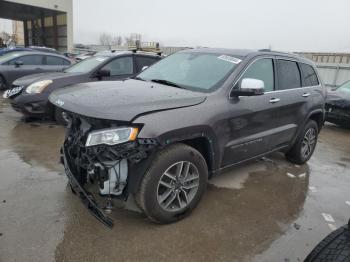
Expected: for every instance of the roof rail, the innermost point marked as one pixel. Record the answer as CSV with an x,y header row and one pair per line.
x,y
265,50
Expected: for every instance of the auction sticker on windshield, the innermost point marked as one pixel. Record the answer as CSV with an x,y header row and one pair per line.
x,y
230,59
12,92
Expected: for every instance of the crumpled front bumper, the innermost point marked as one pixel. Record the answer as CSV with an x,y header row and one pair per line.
x,y
86,197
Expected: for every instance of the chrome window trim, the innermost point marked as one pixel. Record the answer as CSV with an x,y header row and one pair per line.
x,y
292,89
276,58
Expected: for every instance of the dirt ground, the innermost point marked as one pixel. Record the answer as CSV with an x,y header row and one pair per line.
x,y
267,210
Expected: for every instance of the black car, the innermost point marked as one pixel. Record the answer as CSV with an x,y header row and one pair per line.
x,y
162,135
29,94
338,106
334,248
18,64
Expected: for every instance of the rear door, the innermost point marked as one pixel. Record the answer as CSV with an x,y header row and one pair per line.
x,y
55,63
312,88
293,105
30,64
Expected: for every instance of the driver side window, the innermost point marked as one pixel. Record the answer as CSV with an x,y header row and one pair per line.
x,y
120,66
262,69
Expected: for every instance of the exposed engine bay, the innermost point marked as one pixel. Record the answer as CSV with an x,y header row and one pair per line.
x,y
101,170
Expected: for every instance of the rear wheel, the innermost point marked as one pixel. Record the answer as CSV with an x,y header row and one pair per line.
x,y
174,184
305,145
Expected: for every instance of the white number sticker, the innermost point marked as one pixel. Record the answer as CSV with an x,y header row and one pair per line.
x,y
230,59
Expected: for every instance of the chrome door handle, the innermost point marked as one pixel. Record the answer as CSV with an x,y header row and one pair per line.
x,y
274,100
306,94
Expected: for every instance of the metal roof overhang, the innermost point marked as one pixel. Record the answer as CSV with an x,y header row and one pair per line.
x,y
22,12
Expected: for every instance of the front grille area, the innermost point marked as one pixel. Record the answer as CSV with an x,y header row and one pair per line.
x,y
81,158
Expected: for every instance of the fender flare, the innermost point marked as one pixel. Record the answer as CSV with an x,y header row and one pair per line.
x,y
313,112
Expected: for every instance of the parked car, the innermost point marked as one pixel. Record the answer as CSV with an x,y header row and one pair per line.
x,y
81,57
188,117
334,248
338,105
44,49
7,50
29,94
18,64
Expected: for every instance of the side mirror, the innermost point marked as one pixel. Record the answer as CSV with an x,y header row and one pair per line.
x,y
18,63
249,87
103,73
143,68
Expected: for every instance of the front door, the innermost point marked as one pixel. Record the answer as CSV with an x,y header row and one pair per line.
x,y
25,65
252,120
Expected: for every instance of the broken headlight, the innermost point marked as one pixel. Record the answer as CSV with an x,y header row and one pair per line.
x,y
111,136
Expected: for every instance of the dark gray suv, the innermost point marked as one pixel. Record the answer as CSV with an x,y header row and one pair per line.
x,y
162,135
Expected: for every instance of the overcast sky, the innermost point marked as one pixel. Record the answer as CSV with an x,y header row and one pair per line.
x,y
294,25
286,25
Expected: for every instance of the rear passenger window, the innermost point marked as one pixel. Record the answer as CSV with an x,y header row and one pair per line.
x,y
288,75
262,69
53,60
142,61
309,75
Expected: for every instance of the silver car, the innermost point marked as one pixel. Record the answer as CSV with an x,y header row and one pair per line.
x,y
17,64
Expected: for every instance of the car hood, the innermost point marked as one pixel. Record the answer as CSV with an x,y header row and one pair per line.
x,y
338,99
123,100
27,80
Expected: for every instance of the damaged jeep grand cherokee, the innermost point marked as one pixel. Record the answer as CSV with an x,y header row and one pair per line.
x,y
163,134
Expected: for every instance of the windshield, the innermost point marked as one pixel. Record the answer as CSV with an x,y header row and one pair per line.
x,y
9,56
195,71
86,65
345,88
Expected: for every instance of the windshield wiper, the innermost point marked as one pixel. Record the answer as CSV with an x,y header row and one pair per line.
x,y
166,82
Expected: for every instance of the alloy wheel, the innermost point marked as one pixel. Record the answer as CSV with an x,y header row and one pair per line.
x,y
178,186
309,143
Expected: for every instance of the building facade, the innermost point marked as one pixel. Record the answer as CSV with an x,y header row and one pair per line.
x,y
45,22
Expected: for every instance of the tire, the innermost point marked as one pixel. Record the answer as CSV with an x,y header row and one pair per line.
x,y
2,83
154,197
335,247
297,155
58,117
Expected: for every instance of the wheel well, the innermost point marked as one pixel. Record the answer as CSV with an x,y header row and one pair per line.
x,y
203,146
318,117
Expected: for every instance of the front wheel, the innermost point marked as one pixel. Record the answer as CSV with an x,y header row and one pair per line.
x,y
174,184
305,145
